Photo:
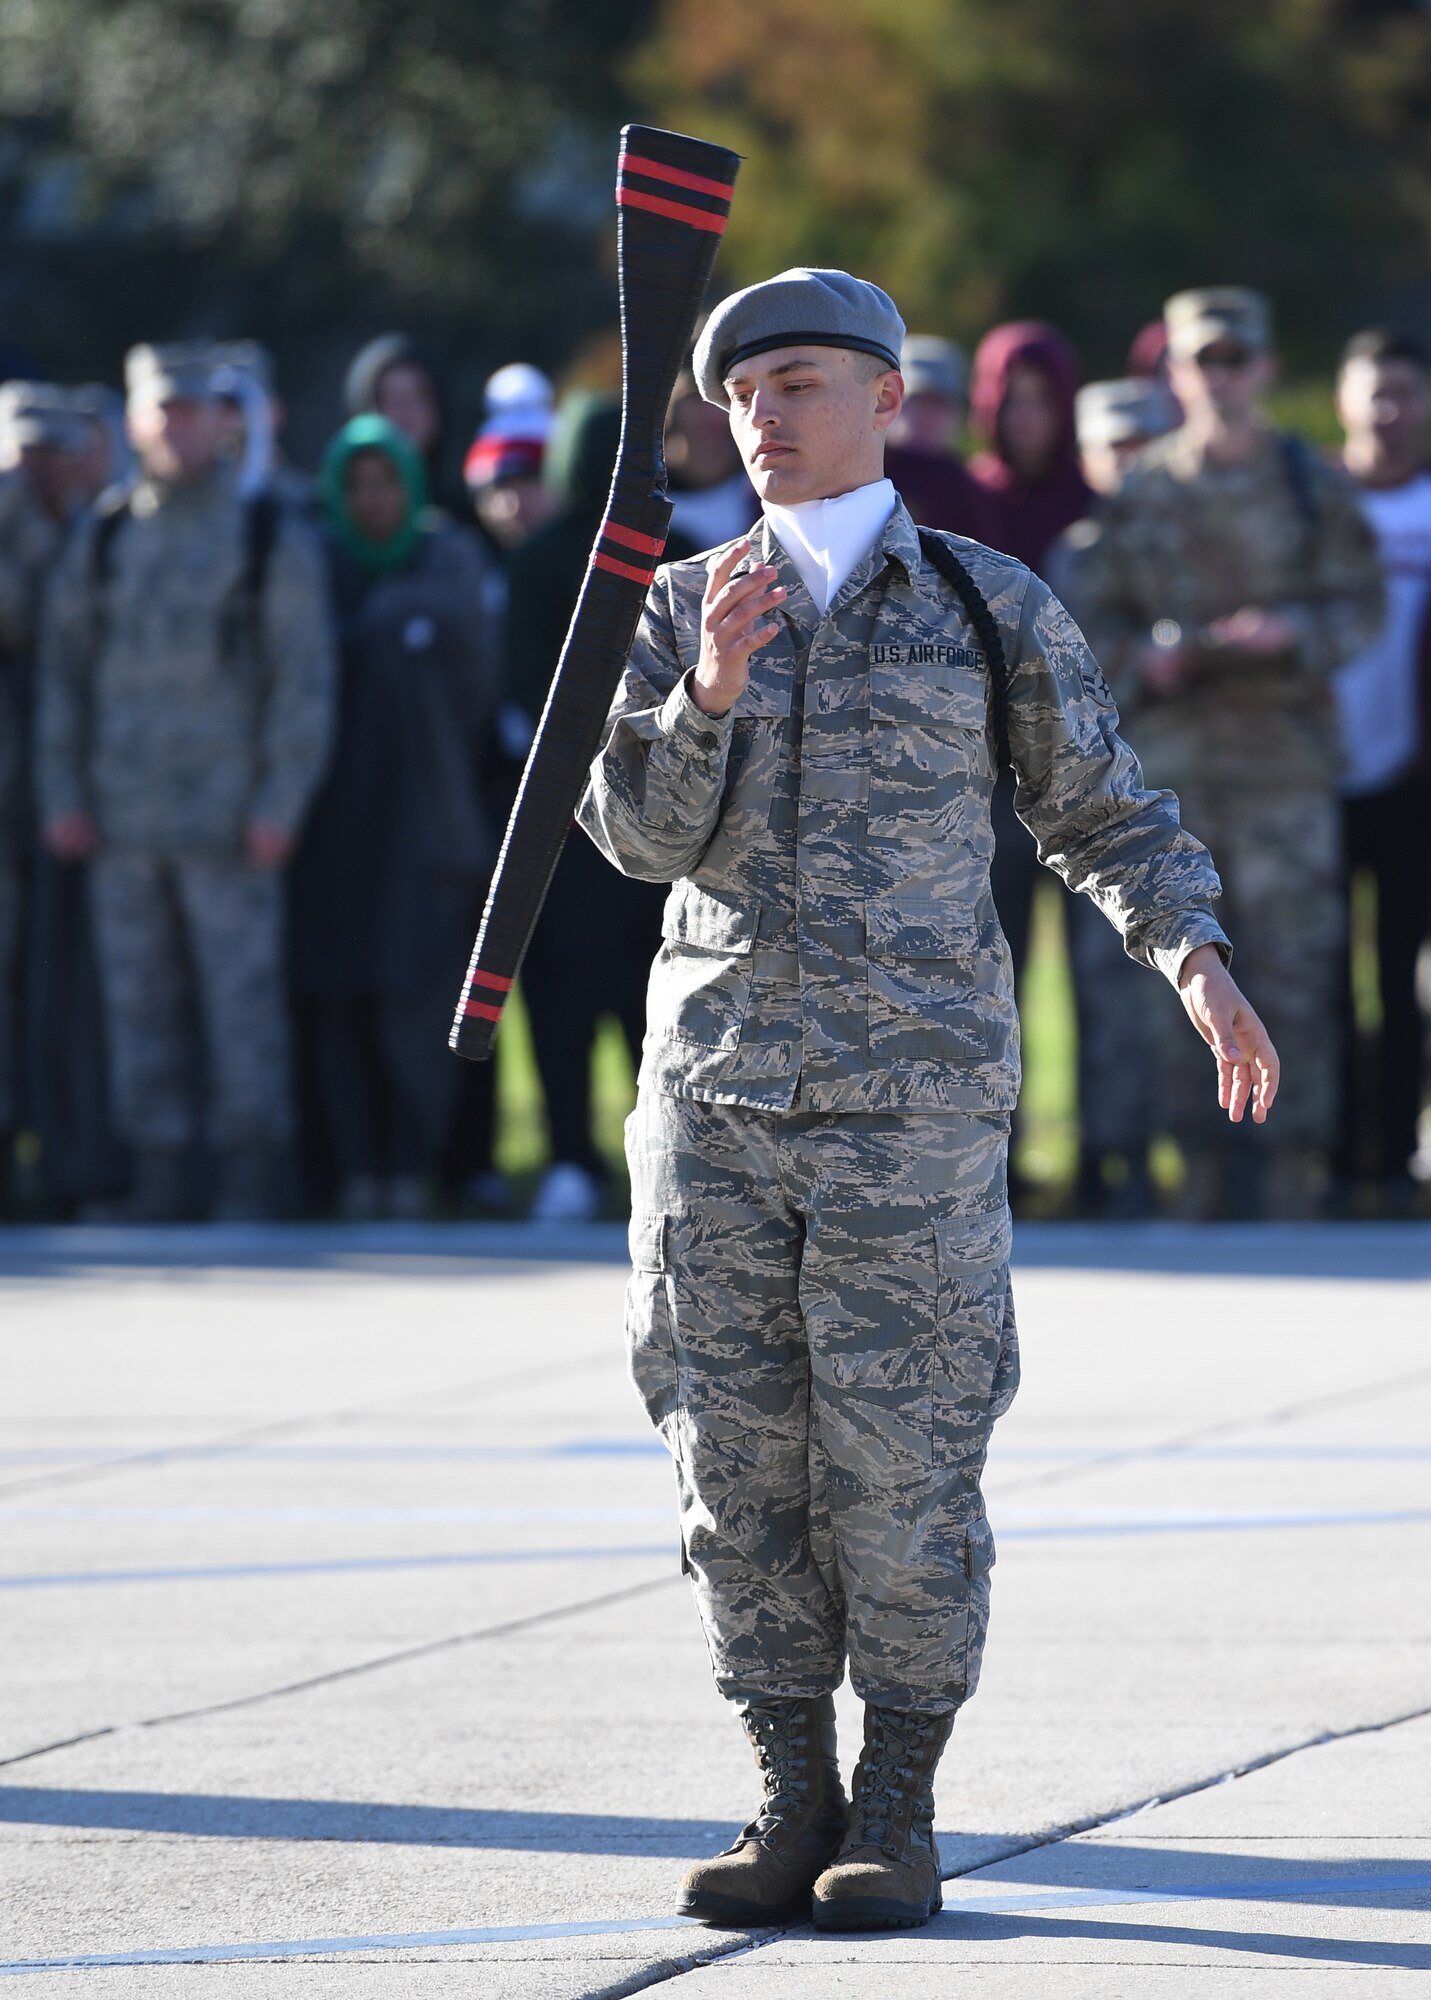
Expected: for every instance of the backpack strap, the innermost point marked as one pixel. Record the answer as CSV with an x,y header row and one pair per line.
x,y
111,513
260,532
976,609
1300,470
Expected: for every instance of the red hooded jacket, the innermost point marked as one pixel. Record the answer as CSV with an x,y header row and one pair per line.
x,y
1027,517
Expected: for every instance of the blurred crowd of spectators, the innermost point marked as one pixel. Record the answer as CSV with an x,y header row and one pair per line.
x,y
260,730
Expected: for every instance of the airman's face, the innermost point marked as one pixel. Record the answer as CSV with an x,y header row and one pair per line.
x,y
810,423
177,440
1226,380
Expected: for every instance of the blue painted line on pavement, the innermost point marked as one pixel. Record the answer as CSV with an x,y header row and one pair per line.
x,y
215,1954
1077,1530
338,1565
991,1901
1217,1524
639,1447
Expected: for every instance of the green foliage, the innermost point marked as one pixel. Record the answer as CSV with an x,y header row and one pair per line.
x,y
287,166
986,158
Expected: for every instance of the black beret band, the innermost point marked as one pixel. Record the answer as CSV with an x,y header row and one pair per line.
x,y
768,342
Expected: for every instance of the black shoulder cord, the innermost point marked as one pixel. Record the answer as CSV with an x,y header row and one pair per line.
x,y
937,551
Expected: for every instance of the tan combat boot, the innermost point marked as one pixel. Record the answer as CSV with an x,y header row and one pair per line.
x,y
765,1877
886,1875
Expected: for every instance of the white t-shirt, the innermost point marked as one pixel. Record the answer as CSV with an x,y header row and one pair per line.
x,y
1377,692
827,540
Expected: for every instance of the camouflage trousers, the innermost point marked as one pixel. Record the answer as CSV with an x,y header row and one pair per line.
x,y
193,941
1279,855
820,1325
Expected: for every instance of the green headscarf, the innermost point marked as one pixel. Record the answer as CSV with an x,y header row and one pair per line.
x,y
373,433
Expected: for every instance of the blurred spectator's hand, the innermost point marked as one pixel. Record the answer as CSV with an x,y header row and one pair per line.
x,y
1166,670
1251,630
71,837
268,846
1247,1065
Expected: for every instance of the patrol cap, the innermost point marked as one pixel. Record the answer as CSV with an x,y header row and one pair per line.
x,y
249,358
1109,413
1223,312
169,374
933,366
804,308
37,413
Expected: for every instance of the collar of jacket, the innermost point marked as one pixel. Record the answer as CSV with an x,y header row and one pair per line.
x,y
215,488
898,542
1186,454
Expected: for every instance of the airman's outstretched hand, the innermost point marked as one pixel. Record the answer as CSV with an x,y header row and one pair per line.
x,y
1247,1066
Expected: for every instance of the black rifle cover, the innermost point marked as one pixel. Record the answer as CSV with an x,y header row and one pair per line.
x,y
673,198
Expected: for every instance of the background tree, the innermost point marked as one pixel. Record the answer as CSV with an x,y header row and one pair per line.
x,y
985,158
308,171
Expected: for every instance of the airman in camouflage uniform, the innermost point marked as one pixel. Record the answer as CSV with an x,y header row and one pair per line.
x,y
184,719
819,1317
1113,1002
1227,581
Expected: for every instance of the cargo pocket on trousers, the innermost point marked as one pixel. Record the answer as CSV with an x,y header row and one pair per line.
x,y
650,1351
976,1356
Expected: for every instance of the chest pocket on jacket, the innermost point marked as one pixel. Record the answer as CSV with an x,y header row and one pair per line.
x,y
928,744
701,982
924,999
755,762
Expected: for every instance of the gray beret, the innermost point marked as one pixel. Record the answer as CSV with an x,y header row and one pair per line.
x,y
1111,413
799,308
37,413
933,366
169,374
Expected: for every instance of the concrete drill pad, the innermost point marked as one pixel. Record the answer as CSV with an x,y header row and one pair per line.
x,y
1120,1664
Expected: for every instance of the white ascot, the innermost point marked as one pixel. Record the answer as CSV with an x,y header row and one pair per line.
x,y
827,540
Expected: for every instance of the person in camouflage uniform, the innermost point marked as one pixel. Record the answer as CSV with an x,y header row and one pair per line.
x,y
819,1315
1112,1001
1232,572
185,714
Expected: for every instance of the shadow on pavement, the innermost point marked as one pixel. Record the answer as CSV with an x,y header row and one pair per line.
x,y
1272,1944
1353,1250
216,1815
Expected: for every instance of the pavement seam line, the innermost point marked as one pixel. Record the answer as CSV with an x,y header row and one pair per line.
x,y
1089,1824
667,1969
423,1651
1187,1440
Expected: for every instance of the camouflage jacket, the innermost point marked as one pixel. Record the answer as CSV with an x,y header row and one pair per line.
x,y
830,942
1188,542
175,705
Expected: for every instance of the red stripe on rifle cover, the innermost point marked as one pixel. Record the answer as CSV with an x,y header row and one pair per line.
x,y
493,979
481,1008
603,561
636,163
698,218
629,539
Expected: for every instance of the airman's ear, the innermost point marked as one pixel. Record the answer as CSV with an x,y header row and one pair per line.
x,y
889,398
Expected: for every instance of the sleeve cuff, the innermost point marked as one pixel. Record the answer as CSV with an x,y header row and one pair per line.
x,y
1171,949
688,728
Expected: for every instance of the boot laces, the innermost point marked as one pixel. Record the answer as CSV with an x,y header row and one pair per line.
x,y
891,1781
781,1750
